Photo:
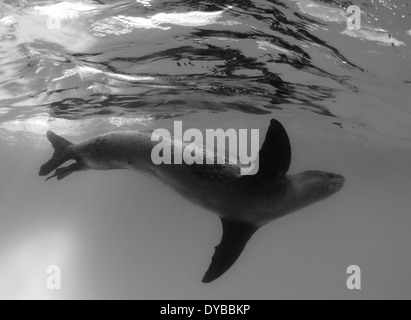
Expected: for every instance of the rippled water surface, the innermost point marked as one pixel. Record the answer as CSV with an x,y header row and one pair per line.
x,y
91,67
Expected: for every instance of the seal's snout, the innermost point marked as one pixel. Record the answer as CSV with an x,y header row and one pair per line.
x,y
340,180
335,182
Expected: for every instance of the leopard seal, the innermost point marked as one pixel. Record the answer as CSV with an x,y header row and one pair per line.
x,y
243,203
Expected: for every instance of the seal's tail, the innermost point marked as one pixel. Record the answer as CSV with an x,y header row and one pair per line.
x,y
61,154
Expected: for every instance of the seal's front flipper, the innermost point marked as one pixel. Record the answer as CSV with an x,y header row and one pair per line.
x,y
275,154
61,173
235,237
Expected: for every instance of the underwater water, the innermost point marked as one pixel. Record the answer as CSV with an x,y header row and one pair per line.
x,y
83,69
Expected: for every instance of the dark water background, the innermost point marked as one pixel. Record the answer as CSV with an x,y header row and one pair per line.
x,y
343,95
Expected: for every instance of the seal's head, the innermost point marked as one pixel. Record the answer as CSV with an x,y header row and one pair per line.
x,y
313,186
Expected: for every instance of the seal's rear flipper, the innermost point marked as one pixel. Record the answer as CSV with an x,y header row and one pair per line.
x,y
61,173
61,154
235,237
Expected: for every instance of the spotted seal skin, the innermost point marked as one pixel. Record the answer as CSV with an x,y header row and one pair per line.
x,y
243,203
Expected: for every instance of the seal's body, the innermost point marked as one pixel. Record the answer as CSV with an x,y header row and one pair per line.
x,y
244,203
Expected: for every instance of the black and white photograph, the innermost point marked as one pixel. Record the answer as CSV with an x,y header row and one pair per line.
x,y
208,151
